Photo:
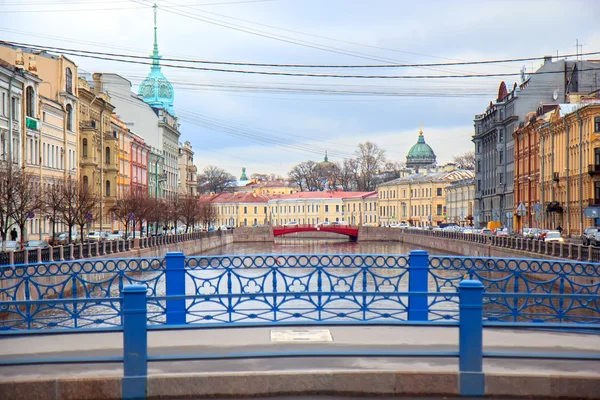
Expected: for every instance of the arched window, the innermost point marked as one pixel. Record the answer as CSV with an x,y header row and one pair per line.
x,y
85,182
107,188
85,148
107,158
69,117
30,99
69,81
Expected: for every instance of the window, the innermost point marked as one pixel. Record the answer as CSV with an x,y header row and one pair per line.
x,y
597,124
326,208
69,117
501,135
107,188
69,81
245,210
85,147
337,208
85,182
13,106
439,191
4,104
500,157
30,102
439,209
107,153
265,210
479,147
501,178
255,211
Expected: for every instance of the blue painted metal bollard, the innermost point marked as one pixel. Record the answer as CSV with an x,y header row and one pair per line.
x,y
135,343
175,283
418,276
470,346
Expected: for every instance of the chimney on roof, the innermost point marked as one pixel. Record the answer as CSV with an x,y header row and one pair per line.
x,y
547,59
32,64
20,61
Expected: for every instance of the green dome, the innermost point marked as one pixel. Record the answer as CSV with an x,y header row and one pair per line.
x,y
420,155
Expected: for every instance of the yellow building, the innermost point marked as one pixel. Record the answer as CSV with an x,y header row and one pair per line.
x,y
361,209
99,149
460,200
239,209
418,199
188,182
269,187
125,139
570,166
48,146
316,207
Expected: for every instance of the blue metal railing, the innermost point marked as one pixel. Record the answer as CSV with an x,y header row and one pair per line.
x,y
134,325
300,288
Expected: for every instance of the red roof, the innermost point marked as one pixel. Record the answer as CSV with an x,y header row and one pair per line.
x,y
239,197
326,195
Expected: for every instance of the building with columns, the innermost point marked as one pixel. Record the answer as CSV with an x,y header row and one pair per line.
x,y
552,83
188,184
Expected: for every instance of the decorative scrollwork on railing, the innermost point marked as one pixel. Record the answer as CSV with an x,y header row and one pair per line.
x,y
528,276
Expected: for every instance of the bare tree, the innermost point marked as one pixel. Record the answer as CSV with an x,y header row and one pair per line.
x,y
465,160
7,192
307,176
123,210
85,211
26,198
348,174
67,213
208,214
215,180
190,211
370,159
52,204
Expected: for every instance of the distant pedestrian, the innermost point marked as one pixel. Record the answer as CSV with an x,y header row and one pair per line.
x,y
559,228
14,235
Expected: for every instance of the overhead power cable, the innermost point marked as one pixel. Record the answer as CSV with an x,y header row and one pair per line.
x,y
251,64
238,71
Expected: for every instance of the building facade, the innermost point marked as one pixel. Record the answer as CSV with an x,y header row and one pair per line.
x,y
120,130
570,167
188,184
140,157
99,149
418,199
360,209
552,83
460,201
239,209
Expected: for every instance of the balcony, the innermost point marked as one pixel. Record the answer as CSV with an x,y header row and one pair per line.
x,y
594,169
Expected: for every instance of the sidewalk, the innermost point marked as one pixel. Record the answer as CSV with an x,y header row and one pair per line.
x,y
301,374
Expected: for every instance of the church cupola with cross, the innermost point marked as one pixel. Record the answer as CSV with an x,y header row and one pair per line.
x,y
420,155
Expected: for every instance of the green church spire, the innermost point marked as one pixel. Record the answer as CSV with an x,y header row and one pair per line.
x,y
326,159
243,177
155,56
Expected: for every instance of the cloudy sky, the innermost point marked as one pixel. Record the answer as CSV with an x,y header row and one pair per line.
x,y
268,123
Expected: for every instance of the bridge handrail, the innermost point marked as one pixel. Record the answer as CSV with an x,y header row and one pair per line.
x,y
470,352
325,287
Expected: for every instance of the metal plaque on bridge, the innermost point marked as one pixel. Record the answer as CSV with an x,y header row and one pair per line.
x,y
301,335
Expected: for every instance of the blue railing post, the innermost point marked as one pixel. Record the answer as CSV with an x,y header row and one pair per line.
x,y
135,343
470,346
175,283
418,276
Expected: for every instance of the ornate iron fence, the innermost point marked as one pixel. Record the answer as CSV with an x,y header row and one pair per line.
x,y
303,288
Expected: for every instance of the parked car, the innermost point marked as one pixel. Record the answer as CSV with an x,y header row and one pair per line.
x,y
529,233
502,232
36,244
588,236
291,224
486,232
322,224
225,227
63,238
10,245
553,236
93,237
112,237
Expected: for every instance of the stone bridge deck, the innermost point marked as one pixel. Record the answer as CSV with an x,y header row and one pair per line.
x,y
357,374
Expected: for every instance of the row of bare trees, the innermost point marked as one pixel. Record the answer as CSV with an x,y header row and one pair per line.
x,y
22,196
140,210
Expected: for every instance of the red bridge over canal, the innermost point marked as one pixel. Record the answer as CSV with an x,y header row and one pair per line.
x,y
347,230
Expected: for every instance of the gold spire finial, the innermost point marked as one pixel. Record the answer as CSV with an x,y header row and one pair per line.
x,y
421,128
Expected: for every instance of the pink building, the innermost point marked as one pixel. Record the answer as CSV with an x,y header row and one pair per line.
x,y
139,163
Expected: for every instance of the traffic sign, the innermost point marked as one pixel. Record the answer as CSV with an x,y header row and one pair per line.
x,y
89,216
30,215
521,210
537,207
